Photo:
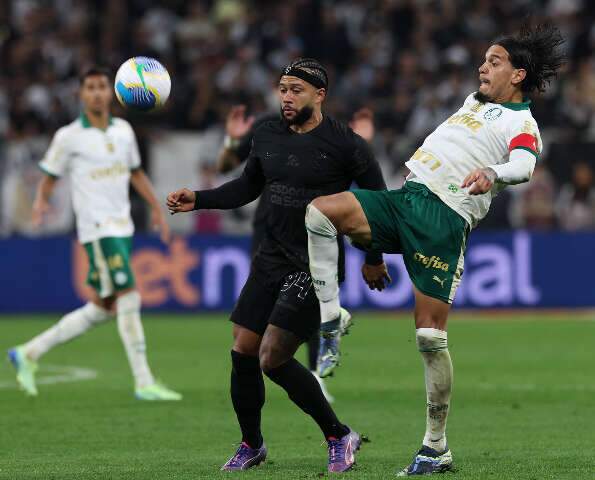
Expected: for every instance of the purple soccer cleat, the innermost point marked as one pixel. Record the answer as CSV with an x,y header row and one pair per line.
x,y
341,452
245,458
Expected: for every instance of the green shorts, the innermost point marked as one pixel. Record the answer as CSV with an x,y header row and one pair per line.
x,y
431,236
109,265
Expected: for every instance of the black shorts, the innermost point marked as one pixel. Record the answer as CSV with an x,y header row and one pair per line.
x,y
280,297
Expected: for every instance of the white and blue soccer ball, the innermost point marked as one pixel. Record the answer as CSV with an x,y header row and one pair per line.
x,y
142,84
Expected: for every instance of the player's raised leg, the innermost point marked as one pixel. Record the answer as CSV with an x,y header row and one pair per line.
x,y
326,217
24,357
434,455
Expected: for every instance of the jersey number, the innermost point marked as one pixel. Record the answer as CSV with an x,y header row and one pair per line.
x,y
299,280
426,158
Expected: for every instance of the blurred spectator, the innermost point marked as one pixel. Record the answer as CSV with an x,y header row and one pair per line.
x,y
533,204
208,221
575,207
411,61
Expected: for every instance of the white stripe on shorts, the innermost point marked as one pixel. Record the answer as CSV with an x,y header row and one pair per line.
x,y
106,287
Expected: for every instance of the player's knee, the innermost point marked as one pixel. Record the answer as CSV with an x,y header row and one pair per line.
x,y
267,360
317,222
431,340
323,203
245,348
129,302
95,314
245,341
431,315
271,358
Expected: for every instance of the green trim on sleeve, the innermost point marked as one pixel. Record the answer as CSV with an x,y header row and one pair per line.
x,y
528,150
48,173
136,169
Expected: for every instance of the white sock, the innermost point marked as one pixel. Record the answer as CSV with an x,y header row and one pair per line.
x,y
323,251
70,326
133,338
433,346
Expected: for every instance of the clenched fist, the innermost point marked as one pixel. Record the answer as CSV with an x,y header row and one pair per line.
x,y
481,181
181,201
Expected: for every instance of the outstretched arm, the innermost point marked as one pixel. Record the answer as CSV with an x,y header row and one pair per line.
x,y
143,186
518,169
233,194
41,204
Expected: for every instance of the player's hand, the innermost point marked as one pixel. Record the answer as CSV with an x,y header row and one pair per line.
x,y
237,124
181,201
362,123
376,276
40,208
160,224
481,181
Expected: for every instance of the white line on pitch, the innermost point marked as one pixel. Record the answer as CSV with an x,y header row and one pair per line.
x,y
51,374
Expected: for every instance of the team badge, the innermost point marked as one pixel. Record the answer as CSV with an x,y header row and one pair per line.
x,y
120,278
492,114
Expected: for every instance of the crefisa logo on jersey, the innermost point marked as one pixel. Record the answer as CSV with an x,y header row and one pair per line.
x,y
492,114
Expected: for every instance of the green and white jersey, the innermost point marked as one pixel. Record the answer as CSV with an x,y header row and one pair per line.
x,y
98,164
476,136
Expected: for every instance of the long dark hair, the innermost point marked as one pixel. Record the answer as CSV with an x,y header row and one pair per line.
x,y
537,50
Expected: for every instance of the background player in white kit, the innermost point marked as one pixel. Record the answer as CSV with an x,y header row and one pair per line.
x,y
491,142
100,156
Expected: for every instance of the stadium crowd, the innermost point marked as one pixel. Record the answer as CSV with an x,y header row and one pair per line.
x,y
411,61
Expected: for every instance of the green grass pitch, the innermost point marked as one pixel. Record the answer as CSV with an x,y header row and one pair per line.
x,y
522,407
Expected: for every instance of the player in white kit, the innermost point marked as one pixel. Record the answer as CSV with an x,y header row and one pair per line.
x,y
99,155
490,142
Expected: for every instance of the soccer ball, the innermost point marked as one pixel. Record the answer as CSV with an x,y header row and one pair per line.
x,y
142,84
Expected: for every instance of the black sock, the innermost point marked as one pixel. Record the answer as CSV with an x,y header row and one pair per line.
x,y
304,391
313,346
247,396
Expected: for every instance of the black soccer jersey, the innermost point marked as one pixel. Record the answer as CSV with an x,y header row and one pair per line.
x,y
243,152
293,169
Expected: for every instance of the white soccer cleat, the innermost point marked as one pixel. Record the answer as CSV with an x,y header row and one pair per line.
x,y
25,368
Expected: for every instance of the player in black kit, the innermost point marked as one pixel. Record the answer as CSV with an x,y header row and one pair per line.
x,y
239,133
293,160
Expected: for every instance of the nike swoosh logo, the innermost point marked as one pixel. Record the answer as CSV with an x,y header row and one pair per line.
x,y
349,457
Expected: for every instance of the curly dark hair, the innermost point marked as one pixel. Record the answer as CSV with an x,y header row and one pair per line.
x,y
537,50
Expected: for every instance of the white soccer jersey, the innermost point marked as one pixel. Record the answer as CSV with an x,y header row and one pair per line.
x,y
477,136
98,164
